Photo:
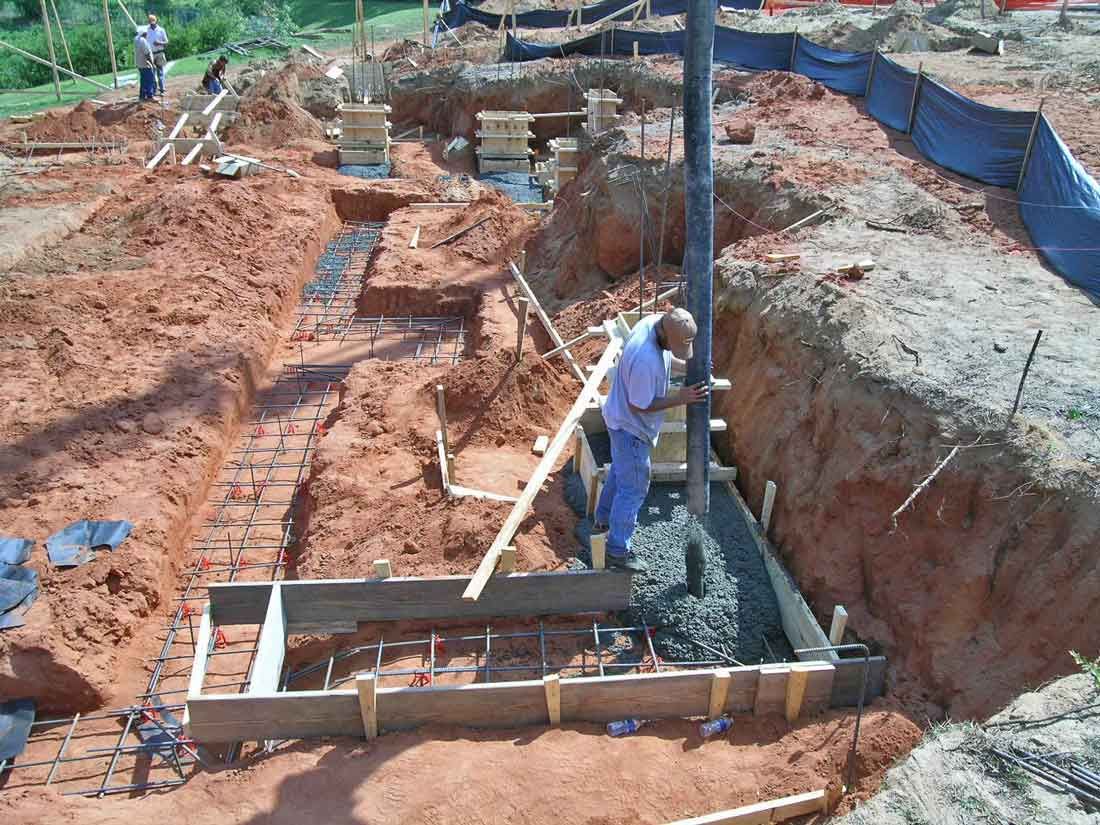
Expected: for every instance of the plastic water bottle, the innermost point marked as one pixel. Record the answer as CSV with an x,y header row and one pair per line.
x,y
715,727
624,727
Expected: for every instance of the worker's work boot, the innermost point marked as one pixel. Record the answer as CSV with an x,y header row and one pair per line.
x,y
629,562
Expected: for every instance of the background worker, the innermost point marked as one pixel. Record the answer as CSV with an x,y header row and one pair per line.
x,y
143,59
158,41
634,412
215,76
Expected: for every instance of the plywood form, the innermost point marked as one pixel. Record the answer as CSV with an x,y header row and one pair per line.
x,y
493,705
290,715
322,603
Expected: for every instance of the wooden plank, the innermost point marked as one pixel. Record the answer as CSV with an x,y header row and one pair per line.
x,y
494,705
777,810
271,647
522,308
771,689
719,690
190,156
202,654
460,232
239,717
179,126
741,694
799,623
669,695
840,622
546,324
383,569
819,686
161,154
445,205
340,602
769,503
540,445
845,689
796,690
717,425
415,238
441,454
212,127
552,687
366,688
214,103
458,491
598,545
565,432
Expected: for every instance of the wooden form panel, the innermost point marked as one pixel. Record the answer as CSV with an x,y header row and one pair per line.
x,y
290,715
504,704
314,605
647,696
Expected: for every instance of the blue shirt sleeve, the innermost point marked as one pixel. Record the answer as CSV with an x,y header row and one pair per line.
x,y
641,384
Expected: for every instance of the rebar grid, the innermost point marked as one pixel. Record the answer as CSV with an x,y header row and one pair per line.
x,y
331,297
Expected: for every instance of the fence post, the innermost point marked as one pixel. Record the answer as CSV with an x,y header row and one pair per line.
x,y
1030,145
871,73
916,94
794,48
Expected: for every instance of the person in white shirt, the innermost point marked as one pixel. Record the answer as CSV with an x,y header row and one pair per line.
x,y
143,60
158,41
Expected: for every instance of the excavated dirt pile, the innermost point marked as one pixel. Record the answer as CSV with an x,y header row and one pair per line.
x,y
272,112
86,122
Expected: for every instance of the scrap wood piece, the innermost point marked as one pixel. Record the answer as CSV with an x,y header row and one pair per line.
x,y
545,320
460,232
885,227
415,238
857,268
553,452
778,257
213,104
777,810
920,488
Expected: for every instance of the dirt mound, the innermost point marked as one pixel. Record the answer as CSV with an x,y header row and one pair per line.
x,y
496,399
272,112
783,87
900,31
87,122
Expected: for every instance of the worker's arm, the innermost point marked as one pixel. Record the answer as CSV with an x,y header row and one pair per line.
x,y
684,395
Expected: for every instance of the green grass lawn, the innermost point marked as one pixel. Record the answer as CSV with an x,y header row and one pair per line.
x,y
391,19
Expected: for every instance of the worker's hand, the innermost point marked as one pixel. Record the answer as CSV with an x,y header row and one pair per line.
x,y
693,394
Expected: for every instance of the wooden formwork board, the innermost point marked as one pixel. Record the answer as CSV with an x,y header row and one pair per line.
x,y
210,146
199,103
368,157
341,603
367,134
494,165
500,121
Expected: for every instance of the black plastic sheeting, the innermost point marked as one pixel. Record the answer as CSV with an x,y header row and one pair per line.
x,y
16,718
77,543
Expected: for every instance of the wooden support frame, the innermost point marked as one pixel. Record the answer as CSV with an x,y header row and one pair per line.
x,y
544,319
553,452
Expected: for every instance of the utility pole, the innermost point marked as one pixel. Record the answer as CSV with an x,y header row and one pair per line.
x,y
49,44
699,238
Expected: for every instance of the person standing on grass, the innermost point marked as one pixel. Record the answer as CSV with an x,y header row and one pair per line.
x,y
158,41
634,412
143,59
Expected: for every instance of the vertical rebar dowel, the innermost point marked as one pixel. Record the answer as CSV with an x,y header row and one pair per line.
x,y
61,751
1030,145
913,103
522,306
1023,378
699,237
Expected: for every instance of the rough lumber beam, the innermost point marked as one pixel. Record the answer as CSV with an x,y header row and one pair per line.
x,y
840,622
552,686
415,238
545,320
271,647
161,154
366,688
213,104
383,569
458,491
202,653
797,680
777,810
719,689
591,332
441,452
553,452
175,133
597,543
212,127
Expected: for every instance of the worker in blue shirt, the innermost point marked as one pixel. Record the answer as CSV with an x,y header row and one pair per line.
x,y
634,411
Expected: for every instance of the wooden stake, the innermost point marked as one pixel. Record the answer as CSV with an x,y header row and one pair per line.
x,y
719,689
523,305
126,11
110,40
64,42
549,327
441,411
540,445
507,560
1030,145
635,49
580,12
766,509
415,238
426,40
796,690
551,684
913,103
1023,378
368,703
49,46
840,621
382,568
598,543
523,261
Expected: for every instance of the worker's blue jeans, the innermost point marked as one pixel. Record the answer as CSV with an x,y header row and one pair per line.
x,y
214,87
624,491
148,84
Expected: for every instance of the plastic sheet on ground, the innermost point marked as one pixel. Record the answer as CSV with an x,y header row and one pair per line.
x,y
891,93
77,543
18,590
516,185
844,72
371,171
1060,206
14,551
16,718
970,138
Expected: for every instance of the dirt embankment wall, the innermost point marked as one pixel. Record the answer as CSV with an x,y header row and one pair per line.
x,y
985,583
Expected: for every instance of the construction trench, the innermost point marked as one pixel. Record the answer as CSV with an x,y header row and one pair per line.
x,y
276,410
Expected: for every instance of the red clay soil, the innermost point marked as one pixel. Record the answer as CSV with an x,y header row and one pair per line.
x,y
529,776
271,113
86,121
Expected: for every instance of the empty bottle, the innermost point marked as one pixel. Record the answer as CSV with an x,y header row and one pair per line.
x,y
715,727
624,727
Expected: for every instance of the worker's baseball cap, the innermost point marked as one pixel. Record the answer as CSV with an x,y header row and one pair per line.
x,y
680,332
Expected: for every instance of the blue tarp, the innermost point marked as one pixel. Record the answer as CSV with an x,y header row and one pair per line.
x,y
844,72
18,590
975,140
15,551
1060,206
891,93
753,50
16,718
460,13
75,545
614,41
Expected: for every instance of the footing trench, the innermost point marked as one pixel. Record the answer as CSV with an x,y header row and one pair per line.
x,y
242,535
